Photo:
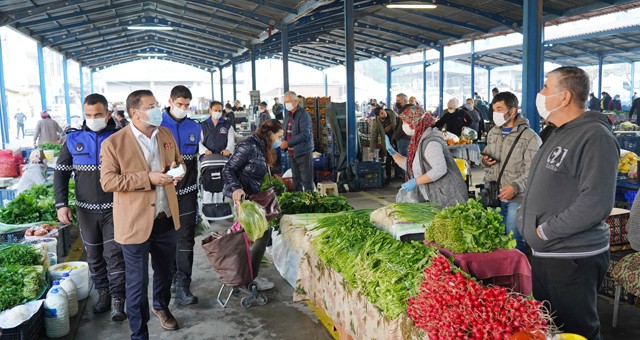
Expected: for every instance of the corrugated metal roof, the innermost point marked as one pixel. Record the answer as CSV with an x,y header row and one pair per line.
x,y
211,33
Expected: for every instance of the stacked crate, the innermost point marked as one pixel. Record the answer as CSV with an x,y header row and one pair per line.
x,y
368,175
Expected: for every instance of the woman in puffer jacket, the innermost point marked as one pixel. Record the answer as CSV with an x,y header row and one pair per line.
x,y
243,175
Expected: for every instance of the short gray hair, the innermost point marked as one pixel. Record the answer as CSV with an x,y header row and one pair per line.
x,y
292,95
403,96
574,80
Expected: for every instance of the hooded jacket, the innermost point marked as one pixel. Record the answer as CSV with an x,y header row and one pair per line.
x,y
246,167
570,191
80,155
516,169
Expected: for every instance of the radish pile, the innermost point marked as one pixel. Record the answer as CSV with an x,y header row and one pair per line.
x,y
450,306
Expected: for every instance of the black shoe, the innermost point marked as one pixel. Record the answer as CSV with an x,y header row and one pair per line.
x,y
184,297
117,309
104,301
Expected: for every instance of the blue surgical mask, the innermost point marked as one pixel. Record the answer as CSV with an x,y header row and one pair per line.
x,y
155,116
277,143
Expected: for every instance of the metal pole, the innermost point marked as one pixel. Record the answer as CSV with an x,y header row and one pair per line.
x,y
389,82
532,60
213,93
424,78
600,61
326,85
632,89
489,85
43,88
351,86
221,87
441,80
81,89
253,68
67,99
473,68
284,34
4,123
91,80
233,77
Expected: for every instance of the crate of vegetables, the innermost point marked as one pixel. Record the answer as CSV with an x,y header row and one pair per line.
x,y
44,232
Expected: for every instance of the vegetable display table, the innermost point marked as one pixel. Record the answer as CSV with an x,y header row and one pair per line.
x,y
469,152
326,288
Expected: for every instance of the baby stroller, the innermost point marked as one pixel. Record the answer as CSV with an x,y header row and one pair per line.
x,y
214,207
230,255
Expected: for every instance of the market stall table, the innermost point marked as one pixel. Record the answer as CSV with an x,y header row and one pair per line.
x,y
468,152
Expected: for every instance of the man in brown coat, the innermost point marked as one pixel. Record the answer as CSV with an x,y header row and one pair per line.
x,y
135,161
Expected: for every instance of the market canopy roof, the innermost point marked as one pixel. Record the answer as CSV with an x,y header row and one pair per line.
x,y
212,34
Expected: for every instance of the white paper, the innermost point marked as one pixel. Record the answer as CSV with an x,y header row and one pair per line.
x,y
176,172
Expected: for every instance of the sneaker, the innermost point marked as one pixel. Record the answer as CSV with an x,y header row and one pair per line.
x,y
104,301
117,309
263,284
184,297
167,320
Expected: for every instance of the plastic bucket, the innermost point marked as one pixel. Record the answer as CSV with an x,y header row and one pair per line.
x,y
78,272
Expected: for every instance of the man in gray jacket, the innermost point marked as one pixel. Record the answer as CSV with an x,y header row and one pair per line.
x,y
569,195
509,124
299,142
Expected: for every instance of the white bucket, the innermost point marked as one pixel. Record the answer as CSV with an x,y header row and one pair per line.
x,y
78,272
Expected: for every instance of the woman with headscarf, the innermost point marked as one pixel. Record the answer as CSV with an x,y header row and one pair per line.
x,y
431,169
47,130
34,172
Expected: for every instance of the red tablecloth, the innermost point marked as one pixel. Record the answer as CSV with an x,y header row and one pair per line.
x,y
507,268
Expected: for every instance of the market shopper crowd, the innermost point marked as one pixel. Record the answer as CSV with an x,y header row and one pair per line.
x,y
555,192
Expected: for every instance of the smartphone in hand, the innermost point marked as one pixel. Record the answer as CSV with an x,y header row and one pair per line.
x,y
490,156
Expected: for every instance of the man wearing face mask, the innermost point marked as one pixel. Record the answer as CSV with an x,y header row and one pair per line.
x,y
218,135
570,193
79,155
454,119
187,133
299,141
141,164
512,173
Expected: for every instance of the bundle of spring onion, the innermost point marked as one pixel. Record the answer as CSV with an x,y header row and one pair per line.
x,y
419,213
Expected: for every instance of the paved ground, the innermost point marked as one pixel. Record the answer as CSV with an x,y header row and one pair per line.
x,y
280,318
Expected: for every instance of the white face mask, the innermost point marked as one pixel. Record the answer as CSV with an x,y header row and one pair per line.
x,y
154,117
289,106
498,118
216,114
468,107
96,124
408,130
541,105
179,113
451,110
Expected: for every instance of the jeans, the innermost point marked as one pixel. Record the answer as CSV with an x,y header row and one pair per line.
x,y
508,211
403,149
302,172
20,127
570,286
162,247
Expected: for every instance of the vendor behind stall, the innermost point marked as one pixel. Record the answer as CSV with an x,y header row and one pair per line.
x,y
33,172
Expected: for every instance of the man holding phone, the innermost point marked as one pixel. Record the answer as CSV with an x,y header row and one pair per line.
x,y
510,127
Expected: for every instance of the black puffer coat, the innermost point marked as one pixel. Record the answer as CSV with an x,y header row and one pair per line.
x,y
246,168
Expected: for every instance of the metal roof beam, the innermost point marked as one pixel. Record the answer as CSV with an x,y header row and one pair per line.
x,y
306,8
237,11
385,40
178,17
302,60
127,59
445,20
545,9
79,13
418,39
27,12
588,36
418,27
149,49
279,7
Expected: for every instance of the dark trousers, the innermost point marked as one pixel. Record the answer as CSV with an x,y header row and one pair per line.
x,y
302,172
188,205
257,251
403,149
20,127
388,164
161,245
571,287
104,254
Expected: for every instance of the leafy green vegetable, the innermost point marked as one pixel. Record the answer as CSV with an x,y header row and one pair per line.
x,y
35,205
252,219
388,272
414,212
469,228
19,254
20,284
309,202
52,146
276,183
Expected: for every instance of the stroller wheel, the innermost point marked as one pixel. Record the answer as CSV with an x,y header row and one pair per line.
x,y
253,288
261,300
235,292
246,302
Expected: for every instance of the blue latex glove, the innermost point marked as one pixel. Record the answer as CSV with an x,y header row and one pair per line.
x,y
410,185
390,149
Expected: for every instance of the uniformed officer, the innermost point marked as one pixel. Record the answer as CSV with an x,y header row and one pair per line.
x,y
186,132
80,154
218,135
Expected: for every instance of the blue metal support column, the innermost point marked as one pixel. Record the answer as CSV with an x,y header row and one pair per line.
x,y
284,34
253,68
233,77
632,87
441,80
221,87
351,83
43,88
213,93
81,89
4,122
67,99
424,78
600,61
489,86
473,68
389,83
533,60
326,85
91,80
